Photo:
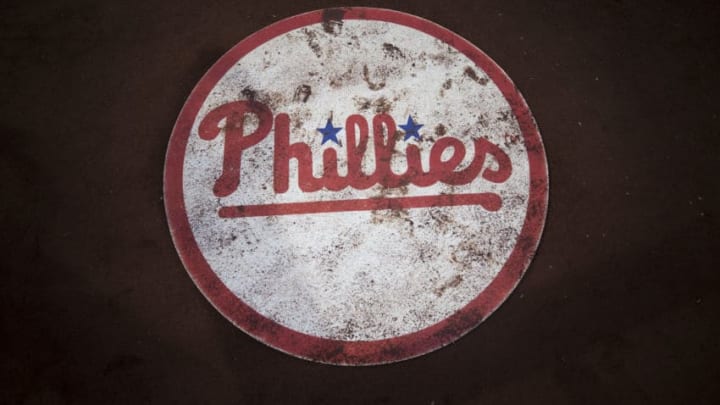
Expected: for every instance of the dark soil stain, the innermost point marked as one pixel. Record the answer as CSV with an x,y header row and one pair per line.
x,y
363,103
382,105
482,120
470,72
312,42
302,93
332,20
392,51
249,93
371,85
503,116
454,282
440,130
338,81
468,253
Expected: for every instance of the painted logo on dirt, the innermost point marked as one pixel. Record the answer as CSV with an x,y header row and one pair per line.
x,y
355,186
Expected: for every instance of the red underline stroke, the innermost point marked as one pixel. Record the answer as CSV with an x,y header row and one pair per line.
x,y
489,201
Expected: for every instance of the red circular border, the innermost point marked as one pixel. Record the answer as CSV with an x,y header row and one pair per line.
x,y
355,352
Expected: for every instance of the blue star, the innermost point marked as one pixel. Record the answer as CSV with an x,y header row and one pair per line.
x,y
329,132
411,129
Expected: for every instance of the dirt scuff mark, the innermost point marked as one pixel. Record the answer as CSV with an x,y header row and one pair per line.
x,y
332,20
312,42
249,93
381,105
392,51
452,283
371,85
470,72
302,93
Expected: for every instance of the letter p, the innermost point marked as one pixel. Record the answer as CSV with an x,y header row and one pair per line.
x,y
235,140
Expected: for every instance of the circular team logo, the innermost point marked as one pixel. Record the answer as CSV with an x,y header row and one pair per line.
x,y
355,186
